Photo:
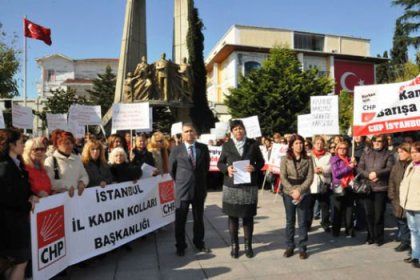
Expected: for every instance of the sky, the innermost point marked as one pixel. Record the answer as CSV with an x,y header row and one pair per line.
x,y
93,28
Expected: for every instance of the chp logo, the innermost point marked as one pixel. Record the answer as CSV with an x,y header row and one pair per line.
x,y
167,197
51,236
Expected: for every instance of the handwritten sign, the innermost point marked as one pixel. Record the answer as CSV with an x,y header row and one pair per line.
x,y
130,116
22,117
57,121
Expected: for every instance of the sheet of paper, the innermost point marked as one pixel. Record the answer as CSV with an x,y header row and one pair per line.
x,y
147,170
241,176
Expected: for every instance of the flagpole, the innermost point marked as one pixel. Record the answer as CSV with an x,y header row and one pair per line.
x,y
25,73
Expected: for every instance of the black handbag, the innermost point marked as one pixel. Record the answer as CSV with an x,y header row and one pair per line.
x,y
361,185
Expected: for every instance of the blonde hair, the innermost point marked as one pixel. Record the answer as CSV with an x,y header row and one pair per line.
x,y
31,144
114,152
153,147
86,157
341,143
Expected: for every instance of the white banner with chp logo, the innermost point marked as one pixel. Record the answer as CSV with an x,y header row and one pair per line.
x,y
68,230
387,108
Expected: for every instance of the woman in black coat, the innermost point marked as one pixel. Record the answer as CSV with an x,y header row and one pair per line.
x,y
121,169
240,200
16,201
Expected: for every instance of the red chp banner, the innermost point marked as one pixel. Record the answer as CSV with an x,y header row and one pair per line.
x,y
387,108
349,74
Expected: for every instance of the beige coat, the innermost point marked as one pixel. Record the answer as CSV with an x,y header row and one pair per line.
x,y
410,188
325,177
71,171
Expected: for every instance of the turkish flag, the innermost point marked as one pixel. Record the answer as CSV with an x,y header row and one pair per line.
x,y
38,32
349,74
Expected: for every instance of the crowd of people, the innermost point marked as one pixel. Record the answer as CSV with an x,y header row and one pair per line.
x,y
340,181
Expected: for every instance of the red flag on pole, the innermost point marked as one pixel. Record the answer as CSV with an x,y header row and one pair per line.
x,y
37,32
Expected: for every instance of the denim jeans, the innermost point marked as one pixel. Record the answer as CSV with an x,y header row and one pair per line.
x,y
413,219
302,211
403,231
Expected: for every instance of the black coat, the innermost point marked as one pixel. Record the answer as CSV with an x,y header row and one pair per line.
x,y
15,207
98,173
230,154
190,183
125,172
143,156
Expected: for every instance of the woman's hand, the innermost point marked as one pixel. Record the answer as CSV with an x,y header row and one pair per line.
x,y
33,199
71,191
295,194
155,172
318,170
249,168
80,188
372,176
42,194
230,170
102,184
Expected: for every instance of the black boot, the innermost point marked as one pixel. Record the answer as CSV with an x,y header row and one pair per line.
x,y
248,248
234,253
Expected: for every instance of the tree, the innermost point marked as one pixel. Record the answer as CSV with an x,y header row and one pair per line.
x,y
162,119
103,90
60,102
384,73
201,114
277,92
410,19
399,52
345,111
9,65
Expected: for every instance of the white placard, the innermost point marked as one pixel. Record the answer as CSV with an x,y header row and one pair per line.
x,y
241,176
130,116
56,121
252,126
305,125
150,121
222,126
68,230
206,138
324,112
86,114
22,117
176,128
77,129
388,108
2,124
277,151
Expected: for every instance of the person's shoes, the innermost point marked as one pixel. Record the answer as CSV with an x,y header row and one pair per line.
x,y
203,249
303,255
326,227
402,247
350,233
317,217
288,253
248,249
369,241
234,252
180,252
411,260
379,243
416,264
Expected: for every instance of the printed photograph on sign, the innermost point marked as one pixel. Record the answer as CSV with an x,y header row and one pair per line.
x,y
51,236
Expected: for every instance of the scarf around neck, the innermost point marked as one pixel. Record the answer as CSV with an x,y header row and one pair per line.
x,y
318,154
239,145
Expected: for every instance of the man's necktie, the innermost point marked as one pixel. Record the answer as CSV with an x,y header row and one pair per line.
x,y
191,155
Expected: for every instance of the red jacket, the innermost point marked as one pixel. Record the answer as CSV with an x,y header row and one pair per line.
x,y
39,180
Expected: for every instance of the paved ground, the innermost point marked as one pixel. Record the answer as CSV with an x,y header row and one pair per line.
x,y
330,258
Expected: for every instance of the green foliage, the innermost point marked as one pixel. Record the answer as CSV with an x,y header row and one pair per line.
x,y
201,115
103,90
409,71
277,92
9,65
162,119
60,102
410,19
384,71
345,111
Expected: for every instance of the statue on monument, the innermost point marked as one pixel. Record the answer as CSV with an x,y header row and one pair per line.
x,y
163,81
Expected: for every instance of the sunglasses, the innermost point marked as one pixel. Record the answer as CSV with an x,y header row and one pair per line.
x,y
39,150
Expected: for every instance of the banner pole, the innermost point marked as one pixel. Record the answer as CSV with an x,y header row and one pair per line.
x,y
25,72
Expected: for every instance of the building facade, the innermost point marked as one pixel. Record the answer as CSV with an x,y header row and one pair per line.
x,y
60,71
345,59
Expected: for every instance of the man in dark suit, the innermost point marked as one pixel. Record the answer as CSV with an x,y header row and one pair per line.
x,y
189,165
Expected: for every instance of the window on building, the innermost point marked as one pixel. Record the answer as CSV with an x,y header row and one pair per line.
x,y
305,41
50,75
250,66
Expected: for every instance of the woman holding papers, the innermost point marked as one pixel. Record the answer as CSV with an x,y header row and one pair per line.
x,y
296,173
93,158
240,161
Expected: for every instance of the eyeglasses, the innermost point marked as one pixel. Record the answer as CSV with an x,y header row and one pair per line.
x,y
378,141
159,141
332,147
39,150
342,148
